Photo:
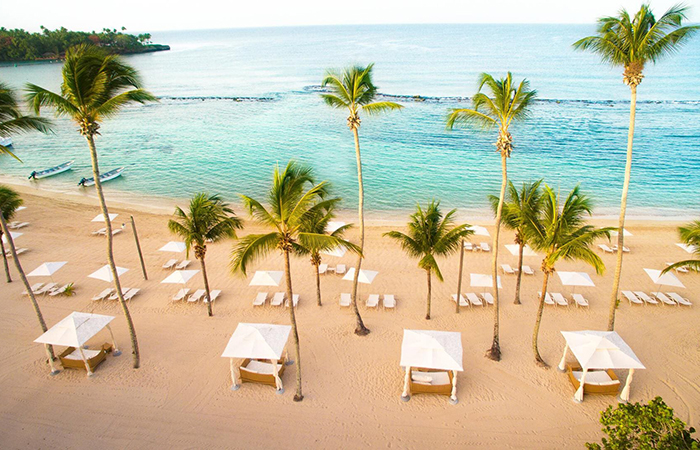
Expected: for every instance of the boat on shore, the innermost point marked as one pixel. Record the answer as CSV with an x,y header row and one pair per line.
x,y
52,171
6,141
112,174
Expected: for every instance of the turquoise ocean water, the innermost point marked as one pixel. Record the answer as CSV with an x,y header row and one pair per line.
x,y
235,102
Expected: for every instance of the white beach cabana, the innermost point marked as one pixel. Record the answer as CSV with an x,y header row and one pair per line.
x,y
104,273
514,250
431,350
267,278
257,341
174,247
75,330
101,218
602,350
47,269
14,235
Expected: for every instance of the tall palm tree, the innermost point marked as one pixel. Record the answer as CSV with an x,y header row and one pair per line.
x,y
353,90
12,120
561,233
95,86
293,196
318,223
505,105
632,43
431,235
9,202
690,234
519,208
209,219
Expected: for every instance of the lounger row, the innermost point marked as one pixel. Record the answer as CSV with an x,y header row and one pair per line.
x,y
277,300
17,225
103,232
471,299
669,298
557,299
111,294
174,264
484,247
388,301
507,269
612,249
200,294
51,289
325,268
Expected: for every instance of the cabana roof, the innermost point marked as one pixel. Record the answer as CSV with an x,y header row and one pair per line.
x,y
440,350
601,350
257,341
75,330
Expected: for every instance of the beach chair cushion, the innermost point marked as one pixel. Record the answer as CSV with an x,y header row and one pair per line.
x,y
527,270
345,299
373,300
261,367
596,378
579,299
473,299
430,378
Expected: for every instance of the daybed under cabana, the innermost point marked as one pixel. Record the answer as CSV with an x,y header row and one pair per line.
x,y
598,353
261,346
431,360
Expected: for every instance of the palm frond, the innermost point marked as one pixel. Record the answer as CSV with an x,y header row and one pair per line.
x,y
250,248
377,108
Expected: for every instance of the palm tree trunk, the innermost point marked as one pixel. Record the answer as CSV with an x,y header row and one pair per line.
x,y
206,286
623,210
4,260
535,334
318,285
519,276
427,313
494,352
23,277
292,317
360,328
110,254
459,280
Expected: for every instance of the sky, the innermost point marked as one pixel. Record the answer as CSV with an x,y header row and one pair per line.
x,y
150,16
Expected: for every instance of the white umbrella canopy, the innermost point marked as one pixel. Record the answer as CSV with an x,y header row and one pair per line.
x,y
440,350
667,279
101,218
575,279
332,226
173,246
479,231
481,280
688,248
514,250
47,269
365,276
180,277
257,341
601,350
75,330
104,273
625,233
338,252
13,234
267,278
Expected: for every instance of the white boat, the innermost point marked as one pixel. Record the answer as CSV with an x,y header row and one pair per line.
x,y
6,141
52,171
112,174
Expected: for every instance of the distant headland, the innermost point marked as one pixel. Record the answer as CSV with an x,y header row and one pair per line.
x,y
19,45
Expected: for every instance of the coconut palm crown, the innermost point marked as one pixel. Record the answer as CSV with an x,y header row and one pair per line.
x,y
13,121
9,202
690,235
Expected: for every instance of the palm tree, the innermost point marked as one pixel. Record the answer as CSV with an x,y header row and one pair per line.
x,y
519,208
561,232
95,86
293,197
13,121
209,219
505,105
632,43
9,202
353,90
318,223
690,234
430,235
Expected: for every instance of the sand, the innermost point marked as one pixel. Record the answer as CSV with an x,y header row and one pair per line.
x,y
180,397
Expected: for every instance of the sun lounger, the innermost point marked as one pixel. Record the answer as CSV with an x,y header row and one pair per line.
x,y
679,269
114,295
131,294
181,294
260,299
46,289
295,300
345,299
277,299
559,299
631,298
488,298
340,269
170,264
101,231
389,301
579,299
59,291
430,381
322,268
72,359
641,295
197,296
373,301
183,264
468,246
485,247
116,232
102,295
597,381
18,225
462,301
679,299
606,249
35,288
547,298
19,251
624,249
473,299
507,269
660,296
527,270
213,295
259,371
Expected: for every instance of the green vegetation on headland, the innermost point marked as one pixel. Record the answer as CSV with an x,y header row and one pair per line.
x,y
21,45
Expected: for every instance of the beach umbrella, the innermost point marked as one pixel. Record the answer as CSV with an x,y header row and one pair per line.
x,y
104,273
479,231
514,250
13,235
365,276
688,248
600,350
430,349
338,252
625,233
180,277
101,218
575,279
47,269
481,280
267,278
667,279
173,246
332,226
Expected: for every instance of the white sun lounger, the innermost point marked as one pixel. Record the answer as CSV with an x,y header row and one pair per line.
x,y
102,231
102,295
18,225
295,300
58,291
170,264
260,299
322,268
389,301
183,264
181,294
131,294
679,269
579,299
488,298
340,269
116,232
527,270
46,289
631,298
345,299
559,299
473,299
606,249
624,249
660,296
19,251
547,298
468,246
507,269
213,294
373,301
679,299
277,299
35,288
114,295
645,297
462,301
485,247
197,296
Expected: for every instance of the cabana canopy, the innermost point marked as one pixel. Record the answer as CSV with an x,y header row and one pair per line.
x,y
173,246
101,218
514,250
365,276
267,278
